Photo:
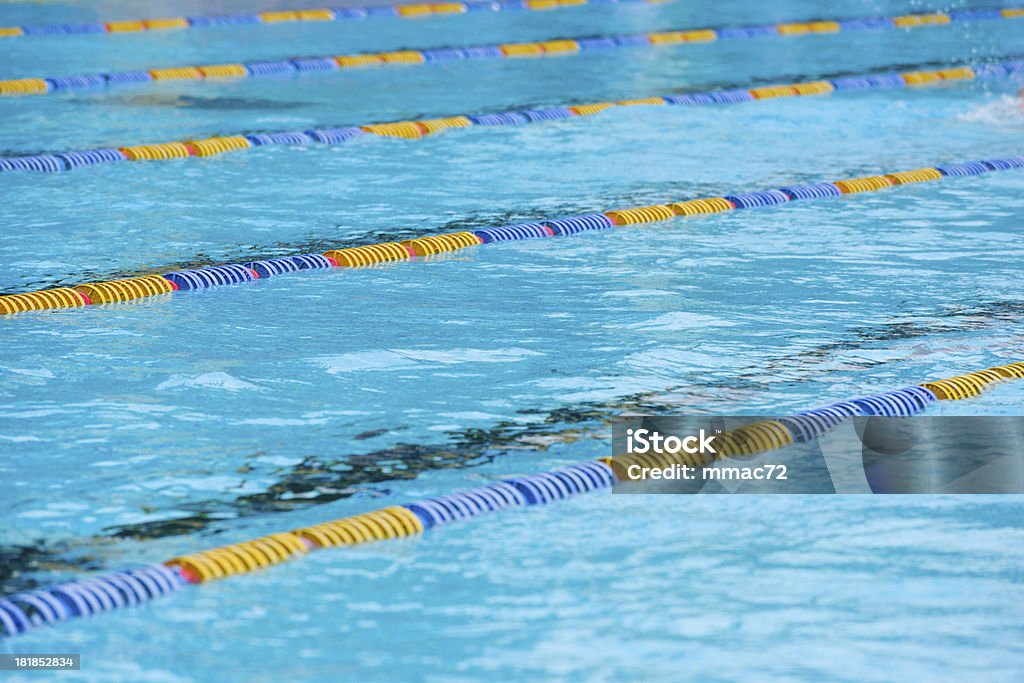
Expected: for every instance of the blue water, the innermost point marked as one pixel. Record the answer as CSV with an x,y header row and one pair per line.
x,y
133,432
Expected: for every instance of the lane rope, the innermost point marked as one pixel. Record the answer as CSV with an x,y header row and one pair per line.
x,y
409,11
128,289
547,48
419,129
50,605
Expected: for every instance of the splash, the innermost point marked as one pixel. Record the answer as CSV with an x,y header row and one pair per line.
x,y
1006,111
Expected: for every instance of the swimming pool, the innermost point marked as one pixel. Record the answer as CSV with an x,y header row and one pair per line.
x,y
135,432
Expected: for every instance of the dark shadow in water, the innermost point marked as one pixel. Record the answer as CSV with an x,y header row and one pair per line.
x,y
172,101
317,480
20,563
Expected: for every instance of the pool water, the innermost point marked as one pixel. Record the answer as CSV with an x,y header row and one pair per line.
x,y
130,433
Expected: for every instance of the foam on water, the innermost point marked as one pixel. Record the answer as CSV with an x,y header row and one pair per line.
x,y
1005,111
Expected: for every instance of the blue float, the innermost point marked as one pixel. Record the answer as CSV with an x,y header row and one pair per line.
x,y
835,414
82,603
730,96
748,31
880,406
294,137
40,608
522,231
349,12
638,39
595,474
129,77
991,71
91,157
893,404
571,225
314,64
128,587
752,200
15,615
545,487
965,169
595,43
732,33
886,81
693,98
85,28
851,83
1003,164
224,20
563,486
538,490
807,427
443,54
863,24
27,609
816,191
920,396
42,163
8,627
272,267
549,114
233,273
44,30
188,280
63,29
465,504
483,52
876,22
12,618
311,261
505,118
71,82
335,136
269,68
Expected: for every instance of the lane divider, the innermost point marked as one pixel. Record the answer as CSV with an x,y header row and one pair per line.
x,y
128,289
547,48
51,605
409,11
416,130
